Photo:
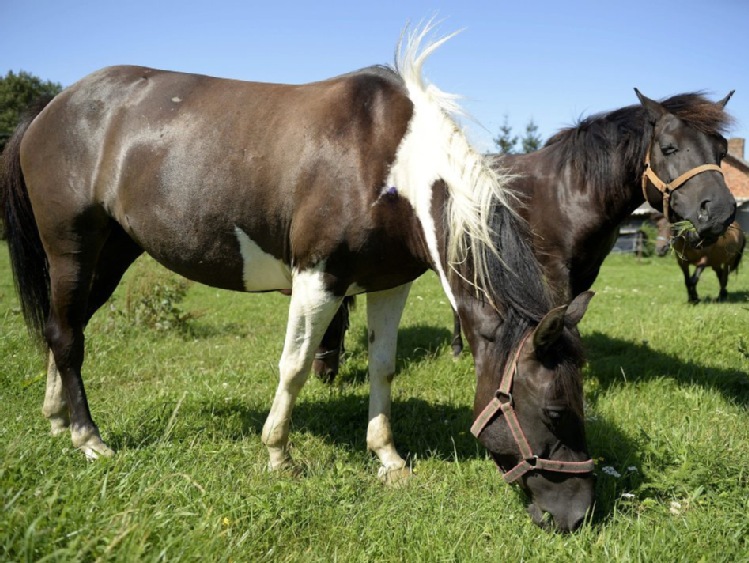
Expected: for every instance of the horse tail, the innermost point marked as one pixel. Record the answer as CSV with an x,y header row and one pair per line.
x,y
27,258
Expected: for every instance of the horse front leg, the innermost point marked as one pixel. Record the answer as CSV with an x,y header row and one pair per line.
x,y
722,272
310,311
693,297
691,287
384,311
457,342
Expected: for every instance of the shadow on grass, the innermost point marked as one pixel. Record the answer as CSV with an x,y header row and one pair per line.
x,y
422,430
607,355
416,343
734,297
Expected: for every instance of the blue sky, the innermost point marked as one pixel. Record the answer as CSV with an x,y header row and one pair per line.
x,y
550,61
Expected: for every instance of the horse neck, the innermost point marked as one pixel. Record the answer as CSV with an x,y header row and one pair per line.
x,y
590,198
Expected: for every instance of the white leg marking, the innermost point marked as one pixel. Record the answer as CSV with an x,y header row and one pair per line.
x,y
261,271
384,310
311,309
55,408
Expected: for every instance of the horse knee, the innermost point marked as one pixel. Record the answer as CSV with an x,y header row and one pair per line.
x,y
66,345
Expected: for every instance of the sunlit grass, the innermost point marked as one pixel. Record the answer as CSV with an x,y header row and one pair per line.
x,y
666,390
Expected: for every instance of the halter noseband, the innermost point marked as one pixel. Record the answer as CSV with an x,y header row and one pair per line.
x,y
502,403
666,188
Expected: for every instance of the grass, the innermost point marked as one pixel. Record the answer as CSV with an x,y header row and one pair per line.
x,y
183,403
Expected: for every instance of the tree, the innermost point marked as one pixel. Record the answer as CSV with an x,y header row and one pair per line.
x,y
17,91
532,141
505,141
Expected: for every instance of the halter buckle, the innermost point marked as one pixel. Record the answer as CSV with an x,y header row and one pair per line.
x,y
500,395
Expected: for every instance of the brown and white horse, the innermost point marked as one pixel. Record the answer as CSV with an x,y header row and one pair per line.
x,y
234,184
723,256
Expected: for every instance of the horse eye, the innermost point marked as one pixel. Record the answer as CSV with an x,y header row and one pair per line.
x,y
555,413
669,149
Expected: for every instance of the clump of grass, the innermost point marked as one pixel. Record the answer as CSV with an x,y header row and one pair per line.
x,y
153,299
681,228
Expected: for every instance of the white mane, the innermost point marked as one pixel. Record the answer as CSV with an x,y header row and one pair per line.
x,y
436,148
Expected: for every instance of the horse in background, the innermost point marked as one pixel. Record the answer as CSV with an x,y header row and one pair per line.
x,y
723,256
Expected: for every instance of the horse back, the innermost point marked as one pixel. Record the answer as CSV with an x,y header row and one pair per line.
x,y
184,162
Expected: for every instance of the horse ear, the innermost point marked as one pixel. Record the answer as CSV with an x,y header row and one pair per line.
x,y
577,308
722,103
549,329
654,109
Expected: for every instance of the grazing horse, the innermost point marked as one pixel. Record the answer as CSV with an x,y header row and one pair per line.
x,y
723,256
232,184
577,190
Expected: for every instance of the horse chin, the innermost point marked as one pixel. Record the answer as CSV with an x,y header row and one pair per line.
x,y
539,517
694,240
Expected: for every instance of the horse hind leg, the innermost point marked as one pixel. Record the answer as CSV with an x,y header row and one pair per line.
x,y
118,252
311,309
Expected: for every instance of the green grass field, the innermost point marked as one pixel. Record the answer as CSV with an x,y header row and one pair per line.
x,y
181,387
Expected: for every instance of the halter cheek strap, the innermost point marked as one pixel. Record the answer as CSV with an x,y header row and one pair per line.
x,y
502,403
666,188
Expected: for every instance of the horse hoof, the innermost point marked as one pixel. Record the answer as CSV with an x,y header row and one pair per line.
x,y
287,468
324,374
93,450
397,477
59,425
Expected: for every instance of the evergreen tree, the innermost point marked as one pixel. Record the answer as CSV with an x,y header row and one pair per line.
x,y
505,141
532,141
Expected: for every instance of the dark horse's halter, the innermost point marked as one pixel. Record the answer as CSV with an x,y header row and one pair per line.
x,y
502,403
666,188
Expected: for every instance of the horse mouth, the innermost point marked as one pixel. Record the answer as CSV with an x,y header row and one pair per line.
x,y
540,517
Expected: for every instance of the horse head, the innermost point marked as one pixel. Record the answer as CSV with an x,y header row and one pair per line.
x,y
682,174
532,421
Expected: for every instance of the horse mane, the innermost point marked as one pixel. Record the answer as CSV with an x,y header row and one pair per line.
x,y
488,249
474,188
607,150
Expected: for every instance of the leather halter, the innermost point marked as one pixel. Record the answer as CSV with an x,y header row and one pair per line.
x,y
666,188
502,403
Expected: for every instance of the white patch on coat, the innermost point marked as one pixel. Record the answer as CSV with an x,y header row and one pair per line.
x,y
261,271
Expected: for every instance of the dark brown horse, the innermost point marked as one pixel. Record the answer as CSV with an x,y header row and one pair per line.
x,y
233,184
723,256
577,190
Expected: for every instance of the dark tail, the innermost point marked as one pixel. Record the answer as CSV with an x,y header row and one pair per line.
x,y
27,257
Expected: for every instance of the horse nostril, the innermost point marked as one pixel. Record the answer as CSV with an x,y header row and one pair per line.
x,y
704,214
